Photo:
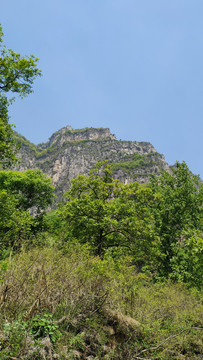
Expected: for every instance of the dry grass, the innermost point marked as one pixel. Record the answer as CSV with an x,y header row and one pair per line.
x,y
87,295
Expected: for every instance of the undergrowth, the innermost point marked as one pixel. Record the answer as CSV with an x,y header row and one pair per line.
x,y
70,305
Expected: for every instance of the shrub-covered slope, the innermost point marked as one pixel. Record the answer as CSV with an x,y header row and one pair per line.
x,y
70,305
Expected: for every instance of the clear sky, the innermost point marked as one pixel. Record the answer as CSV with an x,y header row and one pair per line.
x,y
135,66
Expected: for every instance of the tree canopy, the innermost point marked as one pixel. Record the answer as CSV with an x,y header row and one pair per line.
x,y
107,214
32,188
23,198
159,224
179,223
17,75
15,223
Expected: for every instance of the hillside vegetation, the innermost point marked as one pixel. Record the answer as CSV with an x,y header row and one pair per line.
x,y
115,272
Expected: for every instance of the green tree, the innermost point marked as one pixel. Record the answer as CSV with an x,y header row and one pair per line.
x,y
106,213
17,75
178,209
133,211
186,264
7,143
15,224
88,208
32,189
23,199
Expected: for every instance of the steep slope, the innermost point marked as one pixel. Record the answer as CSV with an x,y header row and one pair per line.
x,y
71,152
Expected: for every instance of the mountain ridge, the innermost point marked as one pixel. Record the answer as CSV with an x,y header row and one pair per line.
x,y
70,152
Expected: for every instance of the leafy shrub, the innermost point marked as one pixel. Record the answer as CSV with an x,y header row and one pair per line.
x,y
15,224
44,325
13,340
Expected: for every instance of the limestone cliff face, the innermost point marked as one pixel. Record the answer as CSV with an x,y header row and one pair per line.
x,y
69,153
68,134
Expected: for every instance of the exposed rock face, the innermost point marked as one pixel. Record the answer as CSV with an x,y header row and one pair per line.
x,y
68,134
69,153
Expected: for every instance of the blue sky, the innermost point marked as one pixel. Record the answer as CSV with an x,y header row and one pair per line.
x,y
135,66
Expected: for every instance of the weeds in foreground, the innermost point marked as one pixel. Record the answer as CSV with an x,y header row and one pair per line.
x,y
73,305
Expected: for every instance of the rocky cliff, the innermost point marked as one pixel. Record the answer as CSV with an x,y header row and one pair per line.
x,y
71,152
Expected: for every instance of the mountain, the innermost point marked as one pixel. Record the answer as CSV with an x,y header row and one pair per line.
x,y
70,152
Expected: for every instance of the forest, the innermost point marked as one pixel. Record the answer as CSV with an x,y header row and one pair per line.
x,y
114,271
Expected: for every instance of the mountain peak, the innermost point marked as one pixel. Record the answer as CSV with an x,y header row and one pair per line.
x,y
67,134
70,152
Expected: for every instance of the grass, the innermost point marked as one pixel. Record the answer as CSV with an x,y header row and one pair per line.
x,y
83,306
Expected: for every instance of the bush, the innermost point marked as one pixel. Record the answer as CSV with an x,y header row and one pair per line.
x,y
94,307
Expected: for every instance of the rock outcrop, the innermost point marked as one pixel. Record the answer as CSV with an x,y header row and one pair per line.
x,y
69,153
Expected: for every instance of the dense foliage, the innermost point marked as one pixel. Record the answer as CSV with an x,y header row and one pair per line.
x,y
179,222
17,75
159,225
32,188
23,199
107,214
114,272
